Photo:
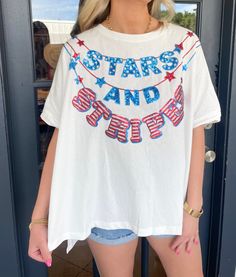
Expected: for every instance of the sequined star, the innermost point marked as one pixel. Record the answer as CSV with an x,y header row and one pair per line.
x,y
169,76
80,42
190,34
76,56
179,47
77,81
72,64
185,67
100,82
81,79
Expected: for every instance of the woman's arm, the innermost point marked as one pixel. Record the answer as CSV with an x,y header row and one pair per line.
x,y
195,182
194,193
42,201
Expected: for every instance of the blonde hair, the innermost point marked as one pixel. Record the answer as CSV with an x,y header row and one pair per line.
x,y
93,12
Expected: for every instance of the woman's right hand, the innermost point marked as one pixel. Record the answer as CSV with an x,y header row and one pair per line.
x,y
38,249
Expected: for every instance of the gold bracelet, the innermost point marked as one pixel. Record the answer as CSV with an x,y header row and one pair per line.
x,y
192,212
43,221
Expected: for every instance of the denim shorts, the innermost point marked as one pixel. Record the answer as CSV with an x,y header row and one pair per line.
x,y
115,236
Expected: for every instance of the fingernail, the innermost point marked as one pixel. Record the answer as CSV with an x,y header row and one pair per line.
x,y
48,262
177,252
188,251
196,242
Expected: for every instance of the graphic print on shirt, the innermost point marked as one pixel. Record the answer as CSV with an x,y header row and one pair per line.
x,y
129,129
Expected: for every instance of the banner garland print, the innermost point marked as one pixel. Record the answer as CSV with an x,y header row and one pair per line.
x,y
119,126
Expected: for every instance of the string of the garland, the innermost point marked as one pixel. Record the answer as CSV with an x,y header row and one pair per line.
x,y
178,47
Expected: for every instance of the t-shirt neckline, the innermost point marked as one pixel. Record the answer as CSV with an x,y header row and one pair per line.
x,y
131,37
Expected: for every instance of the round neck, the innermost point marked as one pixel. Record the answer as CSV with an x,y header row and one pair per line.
x,y
131,37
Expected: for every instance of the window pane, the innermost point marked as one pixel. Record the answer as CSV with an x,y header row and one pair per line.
x,y
45,131
52,23
186,15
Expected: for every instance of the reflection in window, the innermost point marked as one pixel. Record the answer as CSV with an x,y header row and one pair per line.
x,y
52,23
45,131
186,15
41,39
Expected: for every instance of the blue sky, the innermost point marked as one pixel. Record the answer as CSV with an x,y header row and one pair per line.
x,y
185,7
54,9
67,9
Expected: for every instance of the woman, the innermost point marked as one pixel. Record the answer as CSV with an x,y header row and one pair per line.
x,y
129,100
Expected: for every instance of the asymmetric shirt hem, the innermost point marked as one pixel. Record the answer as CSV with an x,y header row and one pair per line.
x,y
73,237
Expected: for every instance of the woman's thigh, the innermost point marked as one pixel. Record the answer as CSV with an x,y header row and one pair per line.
x,y
114,251
184,264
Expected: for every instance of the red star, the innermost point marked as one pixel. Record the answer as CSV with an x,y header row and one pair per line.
x,y
180,46
169,76
80,42
75,55
190,34
80,79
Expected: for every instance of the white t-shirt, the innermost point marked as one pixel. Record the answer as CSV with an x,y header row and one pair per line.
x,y
125,106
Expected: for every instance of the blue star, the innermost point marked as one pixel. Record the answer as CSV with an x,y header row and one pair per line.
x,y
185,67
77,81
100,82
72,64
177,49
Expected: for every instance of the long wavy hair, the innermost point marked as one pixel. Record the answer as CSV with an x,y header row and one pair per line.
x,y
93,12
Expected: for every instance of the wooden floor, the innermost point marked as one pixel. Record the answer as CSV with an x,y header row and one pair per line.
x,y
78,262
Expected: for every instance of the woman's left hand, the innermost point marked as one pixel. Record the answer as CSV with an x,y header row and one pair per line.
x,y
189,234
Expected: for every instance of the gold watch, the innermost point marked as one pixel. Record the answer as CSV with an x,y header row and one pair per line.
x,y
192,212
43,221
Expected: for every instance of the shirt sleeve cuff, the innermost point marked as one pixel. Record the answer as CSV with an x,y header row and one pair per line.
x,y
49,118
207,119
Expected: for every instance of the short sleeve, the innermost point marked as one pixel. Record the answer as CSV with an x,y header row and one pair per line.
x,y
204,101
51,112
